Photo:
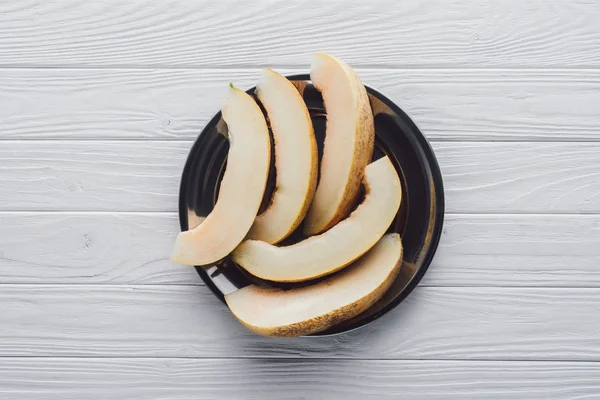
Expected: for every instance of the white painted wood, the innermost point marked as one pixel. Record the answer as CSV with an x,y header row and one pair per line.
x,y
144,176
208,33
263,379
188,321
448,104
112,104
134,248
99,102
517,250
73,175
520,177
78,248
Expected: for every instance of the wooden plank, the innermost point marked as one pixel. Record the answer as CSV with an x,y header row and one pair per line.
x,y
206,33
112,104
520,177
70,175
447,104
517,250
144,176
134,248
78,248
142,379
188,321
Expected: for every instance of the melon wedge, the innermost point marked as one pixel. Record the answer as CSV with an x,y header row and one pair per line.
x,y
349,140
339,246
310,309
296,159
244,179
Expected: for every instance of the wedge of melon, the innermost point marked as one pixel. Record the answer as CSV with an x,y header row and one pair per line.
x,y
242,187
349,141
296,159
330,251
302,311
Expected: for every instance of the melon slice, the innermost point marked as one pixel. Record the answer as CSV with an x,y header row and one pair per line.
x,y
296,159
339,246
244,179
310,309
349,140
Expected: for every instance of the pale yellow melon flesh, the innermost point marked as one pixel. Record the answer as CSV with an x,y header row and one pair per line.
x,y
349,140
332,250
242,187
302,311
296,159
194,219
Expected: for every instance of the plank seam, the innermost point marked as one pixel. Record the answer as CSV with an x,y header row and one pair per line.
x,y
191,141
175,213
308,359
139,286
392,67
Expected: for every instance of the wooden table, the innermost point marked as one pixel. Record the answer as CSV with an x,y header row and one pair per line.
x,y
101,101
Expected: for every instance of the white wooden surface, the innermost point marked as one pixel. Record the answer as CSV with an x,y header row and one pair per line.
x,y
99,105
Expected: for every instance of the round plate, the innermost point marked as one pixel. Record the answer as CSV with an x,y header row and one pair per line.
x,y
419,220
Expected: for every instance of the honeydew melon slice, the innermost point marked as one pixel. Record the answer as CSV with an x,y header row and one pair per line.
x,y
349,141
339,246
310,309
296,158
242,187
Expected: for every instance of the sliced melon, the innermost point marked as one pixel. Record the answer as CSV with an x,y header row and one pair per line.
x,y
349,140
242,187
302,311
296,159
330,251
194,219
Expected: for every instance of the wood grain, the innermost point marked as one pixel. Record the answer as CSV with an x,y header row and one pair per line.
x,y
517,250
134,248
91,175
520,177
78,248
207,33
448,104
99,103
144,176
188,321
263,379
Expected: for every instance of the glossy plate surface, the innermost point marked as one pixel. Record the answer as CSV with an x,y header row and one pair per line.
x,y
419,220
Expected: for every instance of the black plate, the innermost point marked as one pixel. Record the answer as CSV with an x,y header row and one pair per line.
x,y
419,220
